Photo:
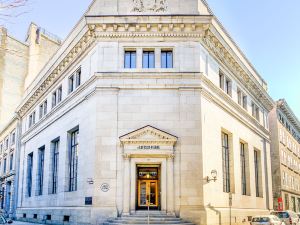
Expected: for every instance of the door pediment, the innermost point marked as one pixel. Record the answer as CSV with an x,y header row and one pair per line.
x,y
148,135
148,142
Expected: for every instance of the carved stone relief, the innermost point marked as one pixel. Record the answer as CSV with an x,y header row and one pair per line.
x,y
149,5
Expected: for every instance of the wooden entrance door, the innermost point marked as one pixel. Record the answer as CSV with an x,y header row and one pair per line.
x,y
147,193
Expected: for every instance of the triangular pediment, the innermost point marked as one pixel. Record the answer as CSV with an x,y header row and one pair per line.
x,y
148,134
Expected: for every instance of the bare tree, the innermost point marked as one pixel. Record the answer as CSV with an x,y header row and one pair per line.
x,y
12,8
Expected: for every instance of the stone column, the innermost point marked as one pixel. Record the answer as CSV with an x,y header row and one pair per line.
x,y
126,188
11,205
170,184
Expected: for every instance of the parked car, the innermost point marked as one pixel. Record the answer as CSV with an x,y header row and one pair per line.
x,y
4,221
266,220
288,217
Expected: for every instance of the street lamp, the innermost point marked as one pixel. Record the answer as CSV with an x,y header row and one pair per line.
x,y
213,177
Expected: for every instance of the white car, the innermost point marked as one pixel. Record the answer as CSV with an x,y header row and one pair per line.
x,y
288,217
266,220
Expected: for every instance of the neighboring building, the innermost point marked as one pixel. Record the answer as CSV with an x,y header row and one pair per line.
x,y
8,138
19,66
145,99
285,154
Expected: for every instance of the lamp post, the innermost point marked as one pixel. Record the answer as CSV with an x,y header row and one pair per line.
x,y
230,205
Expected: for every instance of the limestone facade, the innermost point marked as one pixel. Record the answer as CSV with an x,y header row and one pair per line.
x,y
16,72
285,151
91,127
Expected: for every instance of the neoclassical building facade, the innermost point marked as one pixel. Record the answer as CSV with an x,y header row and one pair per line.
x,y
146,103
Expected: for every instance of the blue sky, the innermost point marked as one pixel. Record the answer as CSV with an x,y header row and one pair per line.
x,y
267,31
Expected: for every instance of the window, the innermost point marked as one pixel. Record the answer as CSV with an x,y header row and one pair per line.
x,y
11,162
225,83
13,138
148,59
31,119
40,172
257,173
130,60
286,201
54,166
29,174
166,59
244,169
255,111
73,160
242,99
66,218
74,80
4,166
43,109
226,163
6,142
56,96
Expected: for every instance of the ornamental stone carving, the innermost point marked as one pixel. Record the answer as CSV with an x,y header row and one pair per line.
x,y
149,5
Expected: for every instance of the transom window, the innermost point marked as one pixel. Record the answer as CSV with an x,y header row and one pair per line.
x,y
148,59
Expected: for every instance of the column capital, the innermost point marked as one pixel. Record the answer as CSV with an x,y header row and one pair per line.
x,y
126,156
171,156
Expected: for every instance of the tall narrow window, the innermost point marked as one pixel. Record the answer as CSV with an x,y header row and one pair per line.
x,y
40,172
243,155
239,94
73,160
75,80
257,173
226,163
56,96
255,111
11,162
166,59
130,59
228,86
245,101
286,201
13,138
221,80
59,94
148,59
29,174
4,165
54,167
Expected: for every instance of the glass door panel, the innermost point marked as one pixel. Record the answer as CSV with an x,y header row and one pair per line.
x,y
147,193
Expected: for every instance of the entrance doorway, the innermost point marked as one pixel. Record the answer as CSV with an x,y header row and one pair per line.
x,y
148,187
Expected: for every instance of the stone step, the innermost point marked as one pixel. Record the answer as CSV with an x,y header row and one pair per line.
x,y
146,221
146,218
115,223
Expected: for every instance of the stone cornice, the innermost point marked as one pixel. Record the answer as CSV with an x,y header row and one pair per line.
x,y
70,57
225,56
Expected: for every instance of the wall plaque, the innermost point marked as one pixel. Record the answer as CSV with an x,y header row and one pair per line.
x,y
104,187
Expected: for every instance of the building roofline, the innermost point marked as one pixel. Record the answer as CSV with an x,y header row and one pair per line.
x,y
283,105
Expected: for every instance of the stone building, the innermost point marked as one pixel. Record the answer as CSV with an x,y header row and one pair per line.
x,y
146,103
19,65
285,154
